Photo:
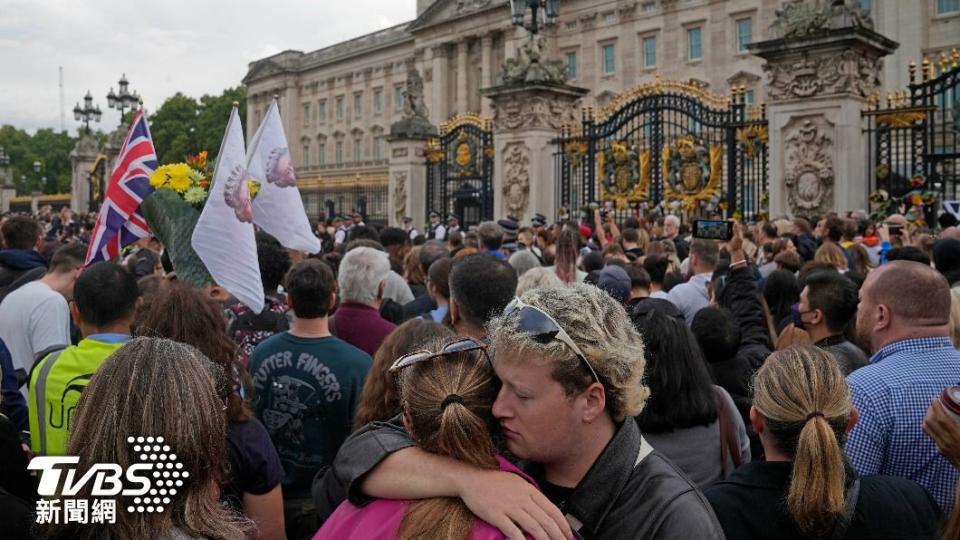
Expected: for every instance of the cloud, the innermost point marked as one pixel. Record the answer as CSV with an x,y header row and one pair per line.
x,y
195,47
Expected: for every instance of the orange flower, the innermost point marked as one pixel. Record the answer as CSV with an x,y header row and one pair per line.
x,y
916,200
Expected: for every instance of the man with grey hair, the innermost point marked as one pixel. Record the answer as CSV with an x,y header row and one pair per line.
x,y
692,296
362,279
570,363
491,239
671,231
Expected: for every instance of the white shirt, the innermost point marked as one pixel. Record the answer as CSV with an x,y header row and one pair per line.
x,y
440,232
33,320
339,236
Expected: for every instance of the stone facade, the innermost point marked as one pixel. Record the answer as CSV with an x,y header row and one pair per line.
x,y
339,102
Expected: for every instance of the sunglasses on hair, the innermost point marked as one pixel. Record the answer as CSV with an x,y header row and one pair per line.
x,y
459,346
543,329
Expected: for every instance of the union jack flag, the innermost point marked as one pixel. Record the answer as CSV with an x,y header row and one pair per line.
x,y
120,222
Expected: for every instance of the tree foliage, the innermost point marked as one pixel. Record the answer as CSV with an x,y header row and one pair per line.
x,y
183,125
50,148
170,127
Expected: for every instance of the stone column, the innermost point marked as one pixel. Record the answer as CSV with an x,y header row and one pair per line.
x,y
407,194
821,68
462,104
527,117
486,65
440,74
83,157
7,189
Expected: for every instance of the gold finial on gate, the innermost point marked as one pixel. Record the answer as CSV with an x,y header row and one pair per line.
x,y
925,69
943,62
870,102
890,100
955,56
590,113
913,72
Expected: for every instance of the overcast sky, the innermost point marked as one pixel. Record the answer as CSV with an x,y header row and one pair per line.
x,y
164,46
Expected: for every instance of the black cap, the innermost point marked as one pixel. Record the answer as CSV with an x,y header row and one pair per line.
x,y
434,214
407,219
451,216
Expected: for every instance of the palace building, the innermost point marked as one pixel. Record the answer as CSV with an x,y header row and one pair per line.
x,y
339,102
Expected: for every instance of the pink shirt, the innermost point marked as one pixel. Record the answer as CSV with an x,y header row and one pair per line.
x,y
382,517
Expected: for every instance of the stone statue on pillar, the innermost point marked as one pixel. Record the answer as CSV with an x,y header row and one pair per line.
x,y
530,66
823,59
415,121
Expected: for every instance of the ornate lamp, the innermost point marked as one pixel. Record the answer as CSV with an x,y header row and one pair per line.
x,y
87,113
549,10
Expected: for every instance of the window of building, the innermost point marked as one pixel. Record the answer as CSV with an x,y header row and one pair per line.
x,y
609,59
571,25
357,150
321,154
339,108
572,64
306,114
947,6
306,154
694,45
339,150
398,97
748,97
357,104
378,101
650,51
610,16
867,5
322,110
647,7
378,148
744,33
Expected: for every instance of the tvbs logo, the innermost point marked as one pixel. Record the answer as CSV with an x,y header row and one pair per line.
x,y
148,484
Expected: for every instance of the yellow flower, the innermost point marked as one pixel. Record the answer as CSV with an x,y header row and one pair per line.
x,y
917,200
159,178
179,177
253,187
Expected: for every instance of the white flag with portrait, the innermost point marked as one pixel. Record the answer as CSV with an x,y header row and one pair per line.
x,y
224,238
278,208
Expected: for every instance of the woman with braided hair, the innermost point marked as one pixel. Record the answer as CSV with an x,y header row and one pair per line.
x,y
446,393
806,489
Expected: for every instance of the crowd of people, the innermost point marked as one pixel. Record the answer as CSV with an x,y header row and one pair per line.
x,y
592,379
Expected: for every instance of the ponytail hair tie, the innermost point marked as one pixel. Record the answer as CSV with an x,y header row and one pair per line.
x,y
452,398
814,414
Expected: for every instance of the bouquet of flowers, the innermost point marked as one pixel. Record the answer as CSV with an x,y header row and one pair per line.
x,y
918,205
173,209
190,180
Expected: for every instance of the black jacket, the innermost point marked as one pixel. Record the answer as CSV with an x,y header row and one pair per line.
x,y
618,498
751,504
742,297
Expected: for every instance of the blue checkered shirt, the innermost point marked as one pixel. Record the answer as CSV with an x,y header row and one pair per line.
x,y
892,394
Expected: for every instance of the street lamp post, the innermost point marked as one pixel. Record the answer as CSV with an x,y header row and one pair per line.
x,y
87,113
37,166
548,10
124,99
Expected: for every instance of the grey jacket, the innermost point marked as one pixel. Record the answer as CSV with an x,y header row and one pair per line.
x,y
632,491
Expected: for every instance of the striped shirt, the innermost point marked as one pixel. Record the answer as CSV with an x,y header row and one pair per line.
x,y
892,394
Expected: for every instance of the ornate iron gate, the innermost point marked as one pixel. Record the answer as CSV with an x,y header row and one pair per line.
x,y
914,141
460,169
667,144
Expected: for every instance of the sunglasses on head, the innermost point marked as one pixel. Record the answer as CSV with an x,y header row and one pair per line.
x,y
459,346
543,329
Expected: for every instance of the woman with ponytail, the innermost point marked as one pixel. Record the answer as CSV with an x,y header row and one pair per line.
x,y
446,393
802,412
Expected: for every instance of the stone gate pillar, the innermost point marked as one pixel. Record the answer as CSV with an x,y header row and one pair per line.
x,y
83,157
407,191
823,60
526,119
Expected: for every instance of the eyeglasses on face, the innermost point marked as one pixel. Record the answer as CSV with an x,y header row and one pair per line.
x,y
543,328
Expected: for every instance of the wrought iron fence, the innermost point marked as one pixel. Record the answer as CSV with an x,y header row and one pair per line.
x,y
369,198
670,145
914,141
460,169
